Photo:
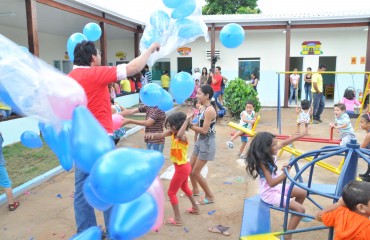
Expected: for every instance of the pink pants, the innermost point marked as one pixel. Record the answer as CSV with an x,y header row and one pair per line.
x,y
179,180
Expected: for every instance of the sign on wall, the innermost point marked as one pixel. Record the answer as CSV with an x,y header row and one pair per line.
x,y
362,60
121,55
184,51
353,60
311,48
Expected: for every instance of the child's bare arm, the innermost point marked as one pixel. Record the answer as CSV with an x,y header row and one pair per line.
x,y
289,141
272,182
329,209
181,133
158,135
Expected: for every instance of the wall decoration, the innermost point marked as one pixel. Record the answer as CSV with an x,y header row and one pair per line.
x,y
353,60
184,51
362,60
121,55
311,48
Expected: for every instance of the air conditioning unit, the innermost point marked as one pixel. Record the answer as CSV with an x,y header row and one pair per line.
x,y
208,54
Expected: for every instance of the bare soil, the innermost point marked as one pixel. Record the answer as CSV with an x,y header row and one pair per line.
x,y
46,212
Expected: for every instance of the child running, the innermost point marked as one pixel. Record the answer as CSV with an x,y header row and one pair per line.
x,y
365,125
343,124
247,119
261,161
304,116
176,125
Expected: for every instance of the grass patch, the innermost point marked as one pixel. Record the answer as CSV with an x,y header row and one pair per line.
x,y
136,117
24,164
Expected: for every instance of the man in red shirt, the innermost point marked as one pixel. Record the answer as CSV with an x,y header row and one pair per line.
x,y
94,79
216,86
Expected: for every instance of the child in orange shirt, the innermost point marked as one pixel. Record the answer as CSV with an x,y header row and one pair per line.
x,y
350,215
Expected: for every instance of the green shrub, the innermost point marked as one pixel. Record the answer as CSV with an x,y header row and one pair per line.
x,y
237,93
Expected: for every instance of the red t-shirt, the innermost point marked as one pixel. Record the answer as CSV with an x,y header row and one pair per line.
x,y
95,80
217,87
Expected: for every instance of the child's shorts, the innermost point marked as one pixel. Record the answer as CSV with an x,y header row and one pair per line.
x,y
273,196
244,138
346,139
205,147
4,178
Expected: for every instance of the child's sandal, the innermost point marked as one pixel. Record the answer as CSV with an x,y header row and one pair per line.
x,y
13,206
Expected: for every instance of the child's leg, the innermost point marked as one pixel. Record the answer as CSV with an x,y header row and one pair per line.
x,y
296,205
186,170
298,128
175,184
193,180
196,173
241,149
306,128
237,134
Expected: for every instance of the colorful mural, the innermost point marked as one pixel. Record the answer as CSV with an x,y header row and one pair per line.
x,y
184,51
311,48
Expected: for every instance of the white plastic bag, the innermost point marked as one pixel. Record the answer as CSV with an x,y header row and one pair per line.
x,y
173,28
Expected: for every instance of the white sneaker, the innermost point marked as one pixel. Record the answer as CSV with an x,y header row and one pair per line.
x,y
230,144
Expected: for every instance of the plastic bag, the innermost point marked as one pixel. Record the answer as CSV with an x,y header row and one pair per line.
x,y
173,27
33,88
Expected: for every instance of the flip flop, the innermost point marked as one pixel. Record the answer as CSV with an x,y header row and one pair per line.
x,y
192,211
194,195
205,201
13,206
172,222
219,229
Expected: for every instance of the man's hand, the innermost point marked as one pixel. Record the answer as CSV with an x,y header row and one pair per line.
x,y
155,47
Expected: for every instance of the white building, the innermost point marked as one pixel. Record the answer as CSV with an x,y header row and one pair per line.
x,y
273,43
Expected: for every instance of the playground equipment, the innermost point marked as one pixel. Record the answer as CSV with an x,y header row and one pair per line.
x,y
257,213
337,85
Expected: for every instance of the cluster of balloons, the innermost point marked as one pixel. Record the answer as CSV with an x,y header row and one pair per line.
x,y
173,28
232,35
123,179
181,86
34,88
91,32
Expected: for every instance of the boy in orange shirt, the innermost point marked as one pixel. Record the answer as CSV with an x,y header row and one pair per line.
x,y
350,215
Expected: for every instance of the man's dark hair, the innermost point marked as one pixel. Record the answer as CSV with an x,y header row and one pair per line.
x,y
83,53
219,68
356,192
321,66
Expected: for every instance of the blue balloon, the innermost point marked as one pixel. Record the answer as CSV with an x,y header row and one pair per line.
x,y
24,49
195,120
72,41
31,139
7,99
124,174
89,139
172,3
160,20
182,86
232,35
92,199
59,142
92,233
151,94
151,35
184,10
133,219
188,29
166,102
92,31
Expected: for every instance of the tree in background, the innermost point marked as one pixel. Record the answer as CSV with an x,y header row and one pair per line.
x,y
214,7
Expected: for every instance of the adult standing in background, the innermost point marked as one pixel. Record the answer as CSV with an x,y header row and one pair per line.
x,y
204,76
216,86
197,74
294,83
165,80
317,94
148,74
94,79
254,80
308,84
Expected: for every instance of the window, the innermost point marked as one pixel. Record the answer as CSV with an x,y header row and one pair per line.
x,y
159,67
248,66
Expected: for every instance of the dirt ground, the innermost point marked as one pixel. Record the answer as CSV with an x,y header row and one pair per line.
x,y
46,212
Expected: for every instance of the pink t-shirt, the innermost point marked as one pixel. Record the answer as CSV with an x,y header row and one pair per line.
x,y
350,104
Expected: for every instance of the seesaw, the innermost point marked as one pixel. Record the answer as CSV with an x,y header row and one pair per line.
x,y
294,151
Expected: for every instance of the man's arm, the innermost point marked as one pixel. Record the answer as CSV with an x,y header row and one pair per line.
x,y
146,123
139,63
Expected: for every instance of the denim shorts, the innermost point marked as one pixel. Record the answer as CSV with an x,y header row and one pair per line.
x,y
244,138
4,178
155,146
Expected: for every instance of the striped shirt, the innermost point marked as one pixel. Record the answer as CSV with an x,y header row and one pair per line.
x,y
159,117
148,75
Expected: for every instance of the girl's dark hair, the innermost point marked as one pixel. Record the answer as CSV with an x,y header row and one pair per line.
x,y
305,104
175,120
260,153
250,102
356,192
195,102
112,101
205,74
83,53
366,117
207,89
349,94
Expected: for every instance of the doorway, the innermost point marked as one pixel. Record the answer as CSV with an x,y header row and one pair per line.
x,y
185,64
329,79
297,62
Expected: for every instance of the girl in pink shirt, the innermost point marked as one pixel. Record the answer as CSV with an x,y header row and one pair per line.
x,y
350,101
